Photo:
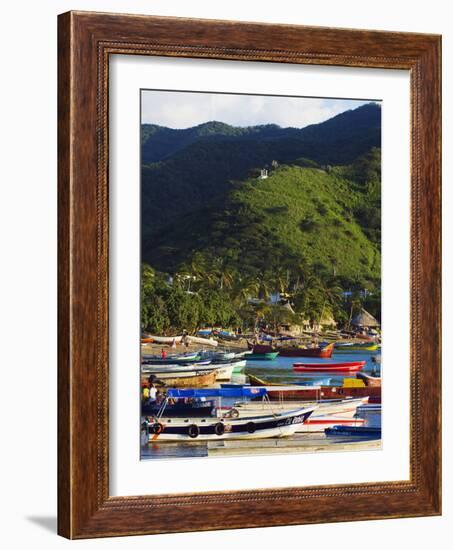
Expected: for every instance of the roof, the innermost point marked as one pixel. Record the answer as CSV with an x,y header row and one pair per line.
x,y
364,319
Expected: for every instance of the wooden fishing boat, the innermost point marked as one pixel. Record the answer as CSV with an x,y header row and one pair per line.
x,y
222,372
368,380
260,348
346,348
321,353
262,356
330,367
315,393
189,379
162,428
155,368
178,339
173,359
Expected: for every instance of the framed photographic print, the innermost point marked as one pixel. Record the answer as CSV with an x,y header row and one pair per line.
x,y
249,275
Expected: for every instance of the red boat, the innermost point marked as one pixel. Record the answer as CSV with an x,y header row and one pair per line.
x,y
321,353
354,366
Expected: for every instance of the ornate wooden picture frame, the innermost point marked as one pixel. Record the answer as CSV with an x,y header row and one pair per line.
x,y
86,40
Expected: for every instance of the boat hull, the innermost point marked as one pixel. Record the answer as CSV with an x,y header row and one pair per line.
x,y
344,408
262,356
318,393
349,349
330,367
354,431
208,429
186,380
319,424
322,353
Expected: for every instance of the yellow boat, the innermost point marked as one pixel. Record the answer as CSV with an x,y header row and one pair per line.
x,y
356,347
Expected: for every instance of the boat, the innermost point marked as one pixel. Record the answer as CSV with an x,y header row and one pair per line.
x,y
153,368
187,379
327,413
173,359
347,348
371,415
178,339
371,381
329,367
223,371
354,431
242,354
320,423
163,428
217,355
319,352
260,348
180,408
262,356
315,393
225,368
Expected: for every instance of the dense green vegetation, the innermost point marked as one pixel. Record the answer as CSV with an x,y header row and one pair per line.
x,y
309,232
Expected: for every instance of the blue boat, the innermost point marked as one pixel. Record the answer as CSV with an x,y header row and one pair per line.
x,y
354,431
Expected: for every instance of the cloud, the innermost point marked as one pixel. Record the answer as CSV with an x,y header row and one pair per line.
x,y
186,109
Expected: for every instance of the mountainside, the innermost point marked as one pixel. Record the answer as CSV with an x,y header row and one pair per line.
x,y
296,217
201,162
319,208
159,142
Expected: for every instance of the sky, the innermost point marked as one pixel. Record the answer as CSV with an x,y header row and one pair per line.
x,y
186,109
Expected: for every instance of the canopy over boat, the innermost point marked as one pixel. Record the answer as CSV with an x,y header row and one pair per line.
x,y
217,392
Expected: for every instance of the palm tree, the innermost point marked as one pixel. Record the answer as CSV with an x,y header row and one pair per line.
x,y
244,289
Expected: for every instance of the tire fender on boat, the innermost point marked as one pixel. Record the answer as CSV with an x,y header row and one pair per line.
x,y
193,430
219,428
250,427
156,428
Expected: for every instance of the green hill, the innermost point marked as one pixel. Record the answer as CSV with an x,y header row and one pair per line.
x,y
196,166
297,217
309,231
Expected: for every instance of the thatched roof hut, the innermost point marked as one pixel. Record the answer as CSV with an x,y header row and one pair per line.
x,y
364,319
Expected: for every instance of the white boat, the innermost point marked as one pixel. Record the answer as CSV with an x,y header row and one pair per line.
x,y
160,428
178,339
326,414
223,371
342,408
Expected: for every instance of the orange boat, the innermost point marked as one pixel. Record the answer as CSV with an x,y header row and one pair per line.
x,y
321,353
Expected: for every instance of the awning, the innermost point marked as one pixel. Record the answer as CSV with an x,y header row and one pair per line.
x,y
217,392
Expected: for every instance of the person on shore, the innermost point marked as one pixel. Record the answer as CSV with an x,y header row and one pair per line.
x,y
163,353
152,390
152,393
185,339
